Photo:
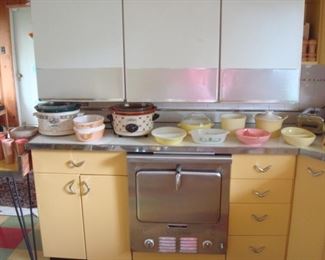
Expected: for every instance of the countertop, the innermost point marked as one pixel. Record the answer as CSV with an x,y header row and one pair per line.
x,y
111,142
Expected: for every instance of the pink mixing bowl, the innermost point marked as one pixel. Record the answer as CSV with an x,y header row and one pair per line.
x,y
252,136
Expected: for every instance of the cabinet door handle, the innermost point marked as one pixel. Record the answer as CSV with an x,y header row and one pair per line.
x,y
87,189
261,194
260,218
260,169
257,250
73,164
69,188
315,173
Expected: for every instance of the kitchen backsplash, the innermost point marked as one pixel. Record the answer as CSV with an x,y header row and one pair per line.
x,y
312,94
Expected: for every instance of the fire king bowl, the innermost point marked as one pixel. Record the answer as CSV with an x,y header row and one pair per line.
x,y
253,136
168,135
195,121
233,121
209,136
298,136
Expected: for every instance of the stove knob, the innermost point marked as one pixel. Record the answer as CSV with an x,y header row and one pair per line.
x,y
207,244
131,128
149,243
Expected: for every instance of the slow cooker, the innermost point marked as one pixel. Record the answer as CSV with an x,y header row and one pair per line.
x,y
55,118
133,119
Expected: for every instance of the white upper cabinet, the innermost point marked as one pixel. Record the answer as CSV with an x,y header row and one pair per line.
x,y
261,50
172,50
79,49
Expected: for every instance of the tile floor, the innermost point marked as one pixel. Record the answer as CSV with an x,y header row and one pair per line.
x,y
12,245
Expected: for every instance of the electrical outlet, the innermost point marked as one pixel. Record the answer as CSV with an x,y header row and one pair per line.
x,y
3,50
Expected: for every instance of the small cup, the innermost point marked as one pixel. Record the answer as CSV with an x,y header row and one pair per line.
x,y
8,150
20,145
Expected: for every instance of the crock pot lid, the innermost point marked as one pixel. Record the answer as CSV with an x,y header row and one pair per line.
x,y
133,107
270,115
56,107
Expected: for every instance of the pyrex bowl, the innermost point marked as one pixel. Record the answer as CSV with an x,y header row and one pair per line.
x,y
233,121
195,121
209,136
88,121
168,135
298,136
253,136
89,134
271,122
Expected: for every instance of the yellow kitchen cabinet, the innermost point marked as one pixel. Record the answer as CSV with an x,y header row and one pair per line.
x,y
263,166
256,248
260,204
157,256
307,231
83,216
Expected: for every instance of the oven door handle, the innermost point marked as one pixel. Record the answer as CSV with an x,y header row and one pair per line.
x,y
178,179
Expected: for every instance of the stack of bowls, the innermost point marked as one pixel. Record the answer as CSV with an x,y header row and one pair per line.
x,y
89,127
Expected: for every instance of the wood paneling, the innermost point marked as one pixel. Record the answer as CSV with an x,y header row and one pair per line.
x,y
7,83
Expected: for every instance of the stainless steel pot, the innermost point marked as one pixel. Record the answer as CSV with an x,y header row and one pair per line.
x,y
133,119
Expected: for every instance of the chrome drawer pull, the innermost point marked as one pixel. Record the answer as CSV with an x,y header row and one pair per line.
x,y
261,169
69,188
260,218
257,250
315,173
73,164
84,184
261,194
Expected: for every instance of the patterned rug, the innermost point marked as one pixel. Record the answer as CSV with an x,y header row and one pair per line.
x,y
12,245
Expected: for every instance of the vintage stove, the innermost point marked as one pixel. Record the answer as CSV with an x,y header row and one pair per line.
x,y
312,119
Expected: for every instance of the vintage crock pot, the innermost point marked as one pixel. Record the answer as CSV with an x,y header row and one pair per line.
x,y
55,118
133,119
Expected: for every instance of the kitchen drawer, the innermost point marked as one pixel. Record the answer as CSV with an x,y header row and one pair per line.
x,y
256,247
259,219
81,162
260,191
263,166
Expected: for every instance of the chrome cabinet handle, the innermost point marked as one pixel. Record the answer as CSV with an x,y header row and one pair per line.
x,y
84,184
315,173
261,169
257,250
178,181
69,188
73,164
260,218
261,194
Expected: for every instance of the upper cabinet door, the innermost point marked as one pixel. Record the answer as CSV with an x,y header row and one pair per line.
x,y
261,50
79,49
172,50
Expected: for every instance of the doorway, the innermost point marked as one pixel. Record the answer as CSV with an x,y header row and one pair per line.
x,y
24,64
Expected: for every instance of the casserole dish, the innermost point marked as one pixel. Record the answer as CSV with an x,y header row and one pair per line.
x,y
55,118
88,121
133,119
89,134
195,121
271,122
209,136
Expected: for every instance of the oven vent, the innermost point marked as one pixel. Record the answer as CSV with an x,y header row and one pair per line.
x,y
188,245
167,245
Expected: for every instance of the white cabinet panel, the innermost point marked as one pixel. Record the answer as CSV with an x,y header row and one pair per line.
x,y
261,50
177,42
263,34
75,40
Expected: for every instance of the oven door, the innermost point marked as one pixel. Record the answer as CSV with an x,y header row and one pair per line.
x,y
181,196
